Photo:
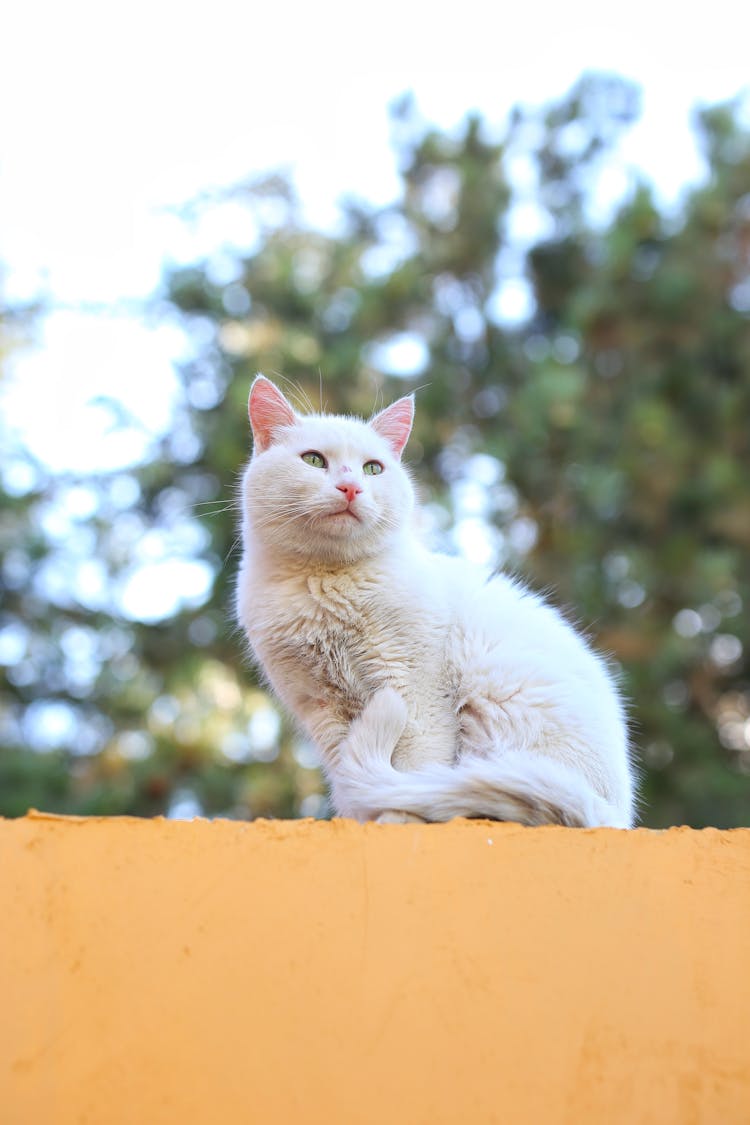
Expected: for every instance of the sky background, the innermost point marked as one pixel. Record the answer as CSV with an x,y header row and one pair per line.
x,y
112,116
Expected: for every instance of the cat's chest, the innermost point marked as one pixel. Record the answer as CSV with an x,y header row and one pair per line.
x,y
333,636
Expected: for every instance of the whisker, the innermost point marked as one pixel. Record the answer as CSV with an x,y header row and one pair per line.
x,y
309,404
236,542
292,512
216,511
421,387
296,393
283,519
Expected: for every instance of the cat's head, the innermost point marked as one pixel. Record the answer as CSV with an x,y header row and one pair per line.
x,y
324,487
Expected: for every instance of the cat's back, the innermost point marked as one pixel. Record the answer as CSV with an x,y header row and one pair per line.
x,y
497,615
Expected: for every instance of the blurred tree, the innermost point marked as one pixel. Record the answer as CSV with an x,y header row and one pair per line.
x,y
595,440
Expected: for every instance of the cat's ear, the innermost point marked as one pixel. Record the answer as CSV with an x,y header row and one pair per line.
x,y
394,423
268,410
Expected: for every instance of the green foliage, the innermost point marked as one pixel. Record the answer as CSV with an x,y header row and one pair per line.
x,y
606,437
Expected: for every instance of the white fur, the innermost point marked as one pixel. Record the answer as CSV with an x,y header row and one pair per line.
x,y
493,705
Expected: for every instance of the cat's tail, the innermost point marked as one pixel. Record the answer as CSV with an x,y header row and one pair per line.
x,y
518,786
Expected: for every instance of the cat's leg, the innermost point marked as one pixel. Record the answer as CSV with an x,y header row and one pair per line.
x,y
373,735
552,728
497,707
378,727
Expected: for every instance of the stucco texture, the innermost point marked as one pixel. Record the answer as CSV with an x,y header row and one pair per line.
x,y
155,971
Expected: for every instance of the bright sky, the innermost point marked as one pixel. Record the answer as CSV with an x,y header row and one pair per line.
x,y
112,114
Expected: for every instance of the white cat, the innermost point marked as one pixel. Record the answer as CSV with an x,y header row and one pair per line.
x,y
433,689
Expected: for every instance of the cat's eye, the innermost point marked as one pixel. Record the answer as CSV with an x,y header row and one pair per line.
x,y
372,468
312,457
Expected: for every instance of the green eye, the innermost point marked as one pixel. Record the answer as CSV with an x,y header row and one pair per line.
x,y
312,457
372,468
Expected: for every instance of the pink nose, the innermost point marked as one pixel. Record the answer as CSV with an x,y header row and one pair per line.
x,y
349,489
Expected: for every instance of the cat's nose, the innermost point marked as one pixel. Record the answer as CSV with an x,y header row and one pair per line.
x,y
350,489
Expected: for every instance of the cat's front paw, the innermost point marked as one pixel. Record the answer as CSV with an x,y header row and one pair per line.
x,y
384,716
394,816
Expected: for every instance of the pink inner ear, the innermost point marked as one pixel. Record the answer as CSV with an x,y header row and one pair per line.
x,y
268,410
394,423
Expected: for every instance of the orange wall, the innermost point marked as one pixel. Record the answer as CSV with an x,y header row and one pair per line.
x,y
154,971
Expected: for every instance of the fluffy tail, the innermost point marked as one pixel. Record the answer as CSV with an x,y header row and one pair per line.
x,y
517,786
